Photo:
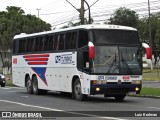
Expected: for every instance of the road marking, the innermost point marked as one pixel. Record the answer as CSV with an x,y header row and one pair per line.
x,y
154,108
12,88
17,87
51,109
25,96
12,91
6,88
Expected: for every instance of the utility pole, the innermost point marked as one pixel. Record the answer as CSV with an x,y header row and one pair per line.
x,y
89,17
38,11
82,12
149,27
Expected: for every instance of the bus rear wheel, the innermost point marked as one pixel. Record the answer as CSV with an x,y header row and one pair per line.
x,y
77,91
36,91
120,97
29,85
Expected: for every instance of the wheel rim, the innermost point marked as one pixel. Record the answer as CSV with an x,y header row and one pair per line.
x,y
78,90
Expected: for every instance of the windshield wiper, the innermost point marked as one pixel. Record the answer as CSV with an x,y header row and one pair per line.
x,y
126,65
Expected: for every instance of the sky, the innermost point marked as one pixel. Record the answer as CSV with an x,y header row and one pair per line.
x,y
58,12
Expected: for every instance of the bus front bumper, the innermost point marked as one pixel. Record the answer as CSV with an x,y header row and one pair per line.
x,y
115,88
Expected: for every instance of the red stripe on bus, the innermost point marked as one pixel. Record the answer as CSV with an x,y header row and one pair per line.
x,y
37,63
36,55
36,59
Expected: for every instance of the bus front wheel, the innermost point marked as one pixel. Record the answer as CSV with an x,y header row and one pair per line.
x,y
120,97
77,91
29,85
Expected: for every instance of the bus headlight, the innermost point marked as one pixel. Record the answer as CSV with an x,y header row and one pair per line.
x,y
99,81
136,82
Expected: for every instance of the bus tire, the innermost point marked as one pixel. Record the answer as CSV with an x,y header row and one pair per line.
x,y
120,97
29,86
36,91
77,91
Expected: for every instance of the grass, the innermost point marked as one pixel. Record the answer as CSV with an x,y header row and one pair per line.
x,y
9,83
149,74
149,92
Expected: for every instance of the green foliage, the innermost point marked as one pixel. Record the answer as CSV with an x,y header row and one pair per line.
x,y
150,91
14,21
124,16
127,17
71,24
155,30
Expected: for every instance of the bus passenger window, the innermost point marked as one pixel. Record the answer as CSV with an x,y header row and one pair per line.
x,y
55,42
71,38
73,41
82,39
51,43
46,43
61,42
39,44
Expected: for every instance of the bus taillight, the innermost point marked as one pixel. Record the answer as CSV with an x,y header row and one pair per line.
x,y
148,50
91,50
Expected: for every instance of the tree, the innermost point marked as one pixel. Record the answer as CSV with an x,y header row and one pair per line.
x,y
143,29
71,24
124,16
14,21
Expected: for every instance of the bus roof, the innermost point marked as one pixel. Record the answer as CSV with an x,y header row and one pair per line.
x,y
117,27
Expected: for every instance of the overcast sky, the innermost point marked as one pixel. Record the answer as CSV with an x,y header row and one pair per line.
x,y
54,11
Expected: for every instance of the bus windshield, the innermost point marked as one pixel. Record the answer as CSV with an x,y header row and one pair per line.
x,y
112,57
117,60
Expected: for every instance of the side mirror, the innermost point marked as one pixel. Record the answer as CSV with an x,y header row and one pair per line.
x,y
148,50
91,50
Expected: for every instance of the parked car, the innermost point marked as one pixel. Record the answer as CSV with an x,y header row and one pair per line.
x,y
2,80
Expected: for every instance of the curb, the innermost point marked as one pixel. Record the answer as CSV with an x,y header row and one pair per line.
x,y
145,96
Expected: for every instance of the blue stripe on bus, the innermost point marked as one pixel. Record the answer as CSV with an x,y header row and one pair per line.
x,y
40,71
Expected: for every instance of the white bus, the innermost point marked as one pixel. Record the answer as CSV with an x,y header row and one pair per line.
x,y
83,60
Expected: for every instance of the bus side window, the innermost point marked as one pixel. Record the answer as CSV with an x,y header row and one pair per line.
x,y
83,38
68,40
55,42
39,44
51,38
71,38
32,44
46,43
61,42
25,45
22,46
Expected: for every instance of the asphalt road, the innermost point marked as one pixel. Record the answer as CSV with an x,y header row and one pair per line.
x,y
17,99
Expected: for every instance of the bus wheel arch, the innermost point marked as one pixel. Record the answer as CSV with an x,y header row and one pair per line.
x,y
76,89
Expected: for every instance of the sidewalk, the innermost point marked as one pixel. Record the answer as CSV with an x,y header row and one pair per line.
x,y
151,84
